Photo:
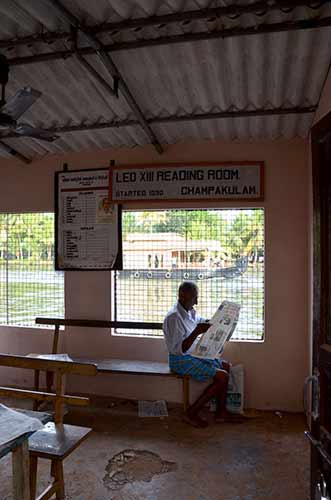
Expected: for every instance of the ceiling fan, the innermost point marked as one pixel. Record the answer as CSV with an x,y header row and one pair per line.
x,y
14,108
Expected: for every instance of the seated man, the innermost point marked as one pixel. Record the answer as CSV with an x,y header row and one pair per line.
x,y
181,327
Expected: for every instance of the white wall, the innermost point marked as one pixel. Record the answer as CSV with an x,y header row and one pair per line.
x,y
275,369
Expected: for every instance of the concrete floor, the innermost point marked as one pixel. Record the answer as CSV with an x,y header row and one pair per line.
x,y
130,458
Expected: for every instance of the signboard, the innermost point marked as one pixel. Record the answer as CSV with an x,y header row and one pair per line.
x,y
221,181
88,235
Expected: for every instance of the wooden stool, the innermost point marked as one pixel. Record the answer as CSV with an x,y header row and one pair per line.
x,y
54,442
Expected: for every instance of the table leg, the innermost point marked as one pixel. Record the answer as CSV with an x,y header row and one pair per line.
x,y
33,476
21,484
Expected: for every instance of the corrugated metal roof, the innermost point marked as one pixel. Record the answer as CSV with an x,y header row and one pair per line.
x,y
263,71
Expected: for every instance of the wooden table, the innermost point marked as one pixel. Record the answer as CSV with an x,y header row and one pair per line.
x,y
19,448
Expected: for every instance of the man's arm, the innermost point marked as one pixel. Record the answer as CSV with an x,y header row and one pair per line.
x,y
198,330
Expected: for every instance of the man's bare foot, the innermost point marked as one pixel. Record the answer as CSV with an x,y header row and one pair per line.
x,y
195,421
226,416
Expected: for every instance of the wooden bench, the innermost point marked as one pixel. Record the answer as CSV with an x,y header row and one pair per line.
x,y
119,366
57,440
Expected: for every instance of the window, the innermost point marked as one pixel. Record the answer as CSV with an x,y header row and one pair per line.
x,y
222,250
29,286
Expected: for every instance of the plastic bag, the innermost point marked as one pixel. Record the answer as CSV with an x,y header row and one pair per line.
x,y
235,393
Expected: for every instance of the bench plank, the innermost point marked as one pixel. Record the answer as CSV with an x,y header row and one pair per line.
x,y
96,323
35,363
134,367
43,396
131,367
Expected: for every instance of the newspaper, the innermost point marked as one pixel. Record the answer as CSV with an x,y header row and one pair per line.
x,y
223,324
152,408
51,357
14,424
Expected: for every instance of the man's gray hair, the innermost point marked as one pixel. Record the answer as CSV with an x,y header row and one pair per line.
x,y
186,286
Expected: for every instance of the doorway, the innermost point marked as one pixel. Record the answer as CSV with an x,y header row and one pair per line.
x,y
320,429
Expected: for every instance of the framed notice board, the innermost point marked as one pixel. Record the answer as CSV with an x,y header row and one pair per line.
x,y
88,232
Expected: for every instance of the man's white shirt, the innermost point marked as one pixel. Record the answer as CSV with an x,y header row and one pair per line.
x,y
177,326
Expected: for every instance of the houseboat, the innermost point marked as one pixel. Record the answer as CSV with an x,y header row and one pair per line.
x,y
172,256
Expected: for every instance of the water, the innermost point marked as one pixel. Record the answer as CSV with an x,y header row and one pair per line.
x,y
30,291
149,300
33,293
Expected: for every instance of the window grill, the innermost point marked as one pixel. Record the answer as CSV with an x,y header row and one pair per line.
x,y
222,250
29,286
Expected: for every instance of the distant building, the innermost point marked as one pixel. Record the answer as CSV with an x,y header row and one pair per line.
x,y
171,251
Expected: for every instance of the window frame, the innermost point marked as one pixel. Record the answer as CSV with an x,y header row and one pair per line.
x,y
141,207
35,328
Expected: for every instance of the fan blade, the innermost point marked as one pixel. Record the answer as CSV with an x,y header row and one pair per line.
x,y
38,133
20,102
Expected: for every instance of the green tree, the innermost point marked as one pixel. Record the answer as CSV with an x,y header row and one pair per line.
x,y
3,235
239,231
246,233
31,236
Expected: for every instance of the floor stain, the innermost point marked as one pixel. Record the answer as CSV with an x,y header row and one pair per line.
x,y
265,458
129,466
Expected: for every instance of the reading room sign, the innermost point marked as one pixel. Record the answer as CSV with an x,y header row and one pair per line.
x,y
221,181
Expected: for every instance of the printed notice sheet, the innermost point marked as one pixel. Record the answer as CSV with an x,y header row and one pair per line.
x,y
88,235
14,424
223,324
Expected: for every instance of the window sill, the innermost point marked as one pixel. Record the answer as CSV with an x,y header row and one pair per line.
x,y
160,337
136,335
